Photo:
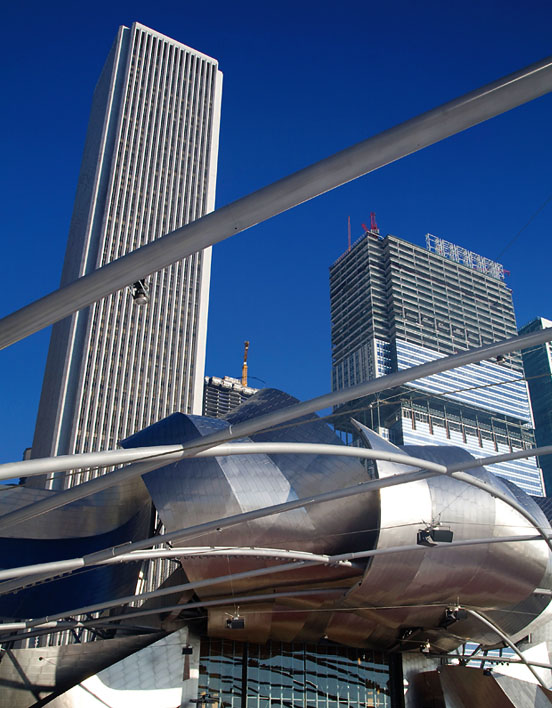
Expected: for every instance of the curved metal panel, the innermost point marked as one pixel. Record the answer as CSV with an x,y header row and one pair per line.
x,y
100,513
108,518
496,576
394,600
55,669
193,491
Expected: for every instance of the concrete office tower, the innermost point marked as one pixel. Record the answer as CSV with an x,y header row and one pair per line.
x,y
396,305
149,166
538,369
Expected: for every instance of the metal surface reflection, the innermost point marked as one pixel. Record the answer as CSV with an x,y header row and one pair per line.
x,y
108,518
390,594
398,601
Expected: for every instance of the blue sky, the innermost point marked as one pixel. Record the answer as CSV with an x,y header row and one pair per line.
x,y
302,80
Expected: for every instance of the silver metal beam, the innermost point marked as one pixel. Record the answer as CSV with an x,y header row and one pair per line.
x,y
81,491
53,626
100,483
486,621
282,416
43,572
409,137
166,454
492,659
212,551
86,460
185,551
208,582
171,453
336,398
505,457
89,488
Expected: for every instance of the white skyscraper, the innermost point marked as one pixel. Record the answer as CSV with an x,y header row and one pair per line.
x,y
149,167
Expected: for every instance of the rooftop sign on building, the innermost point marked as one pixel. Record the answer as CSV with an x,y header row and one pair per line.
x,y
464,257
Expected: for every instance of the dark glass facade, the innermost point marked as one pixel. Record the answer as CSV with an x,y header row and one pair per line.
x,y
292,675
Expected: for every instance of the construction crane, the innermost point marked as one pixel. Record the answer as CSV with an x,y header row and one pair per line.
x,y
373,223
244,367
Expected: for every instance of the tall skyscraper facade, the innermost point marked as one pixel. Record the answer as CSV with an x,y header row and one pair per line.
x,y
149,167
538,368
395,305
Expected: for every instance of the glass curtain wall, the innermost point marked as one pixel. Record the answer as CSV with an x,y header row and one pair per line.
x,y
292,675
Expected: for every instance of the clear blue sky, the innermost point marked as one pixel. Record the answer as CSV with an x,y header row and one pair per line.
x,y
302,80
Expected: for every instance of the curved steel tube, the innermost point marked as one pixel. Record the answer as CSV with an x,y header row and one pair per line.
x,y
204,551
86,460
159,460
60,625
172,453
474,482
59,567
508,641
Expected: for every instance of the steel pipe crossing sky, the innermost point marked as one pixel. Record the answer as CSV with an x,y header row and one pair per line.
x,y
280,416
44,571
178,452
329,400
360,159
170,453
165,454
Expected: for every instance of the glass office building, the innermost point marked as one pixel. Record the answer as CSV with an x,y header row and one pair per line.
x,y
293,675
538,368
396,305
